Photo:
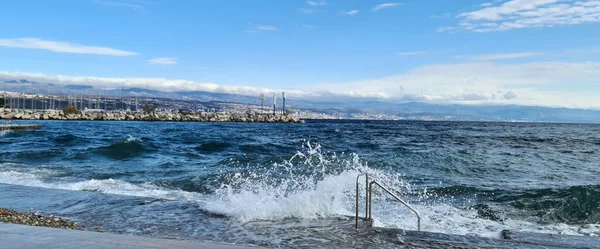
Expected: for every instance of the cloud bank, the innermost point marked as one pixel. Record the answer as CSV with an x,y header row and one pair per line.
x,y
554,84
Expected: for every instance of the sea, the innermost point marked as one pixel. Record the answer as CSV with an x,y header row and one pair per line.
x,y
294,185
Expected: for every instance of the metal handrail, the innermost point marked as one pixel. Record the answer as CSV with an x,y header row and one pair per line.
x,y
366,197
370,194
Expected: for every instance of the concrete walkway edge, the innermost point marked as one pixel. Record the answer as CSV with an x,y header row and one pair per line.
x,y
27,237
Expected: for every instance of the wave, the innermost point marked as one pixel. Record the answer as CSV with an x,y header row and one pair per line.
x,y
37,155
108,186
129,148
4,133
310,185
571,205
66,139
333,196
213,147
131,138
314,184
317,185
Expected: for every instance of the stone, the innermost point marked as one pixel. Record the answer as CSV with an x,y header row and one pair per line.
x,y
155,116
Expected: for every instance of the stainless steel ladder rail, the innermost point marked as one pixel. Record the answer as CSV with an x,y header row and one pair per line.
x,y
396,197
369,200
366,196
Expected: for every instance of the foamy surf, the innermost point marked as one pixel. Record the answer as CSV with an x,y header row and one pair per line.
x,y
312,185
108,186
131,138
318,195
328,197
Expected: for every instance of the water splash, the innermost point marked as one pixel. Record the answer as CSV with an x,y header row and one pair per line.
x,y
312,184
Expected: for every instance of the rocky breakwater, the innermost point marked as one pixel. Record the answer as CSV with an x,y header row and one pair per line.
x,y
153,116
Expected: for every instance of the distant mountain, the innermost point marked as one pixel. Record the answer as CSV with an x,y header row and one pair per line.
x,y
78,87
22,81
338,107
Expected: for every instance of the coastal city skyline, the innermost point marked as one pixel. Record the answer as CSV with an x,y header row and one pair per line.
x,y
535,53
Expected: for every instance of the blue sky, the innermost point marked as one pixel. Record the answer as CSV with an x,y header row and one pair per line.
x,y
529,52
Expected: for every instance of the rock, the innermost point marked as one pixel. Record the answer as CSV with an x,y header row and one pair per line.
x,y
33,219
10,116
154,116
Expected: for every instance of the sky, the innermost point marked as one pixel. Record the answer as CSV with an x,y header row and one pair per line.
x,y
499,52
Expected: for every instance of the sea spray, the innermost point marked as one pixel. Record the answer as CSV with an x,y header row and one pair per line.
x,y
312,184
489,161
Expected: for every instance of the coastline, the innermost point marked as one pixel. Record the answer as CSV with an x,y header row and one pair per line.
x,y
25,237
97,115
29,229
32,218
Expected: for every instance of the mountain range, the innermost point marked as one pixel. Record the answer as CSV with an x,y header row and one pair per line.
x,y
410,109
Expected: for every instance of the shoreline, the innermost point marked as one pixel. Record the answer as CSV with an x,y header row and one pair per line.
x,y
32,218
26,237
29,229
98,115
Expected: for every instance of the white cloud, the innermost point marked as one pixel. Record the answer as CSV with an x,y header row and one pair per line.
x,y
486,4
307,26
583,51
351,13
538,83
412,53
159,84
62,47
307,11
521,14
557,84
506,56
260,28
445,15
385,6
315,3
121,4
164,61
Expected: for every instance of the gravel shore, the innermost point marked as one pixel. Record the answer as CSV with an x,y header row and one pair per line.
x,y
31,218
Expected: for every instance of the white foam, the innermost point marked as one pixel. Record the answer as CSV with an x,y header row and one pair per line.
x,y
308,195
263,202
256,197
109,186
314,195
4,133
131,138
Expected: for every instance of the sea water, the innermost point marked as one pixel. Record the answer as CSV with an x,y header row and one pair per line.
x,y
293,185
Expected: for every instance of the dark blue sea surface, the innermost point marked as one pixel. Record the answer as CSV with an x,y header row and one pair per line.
x,y
293,185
